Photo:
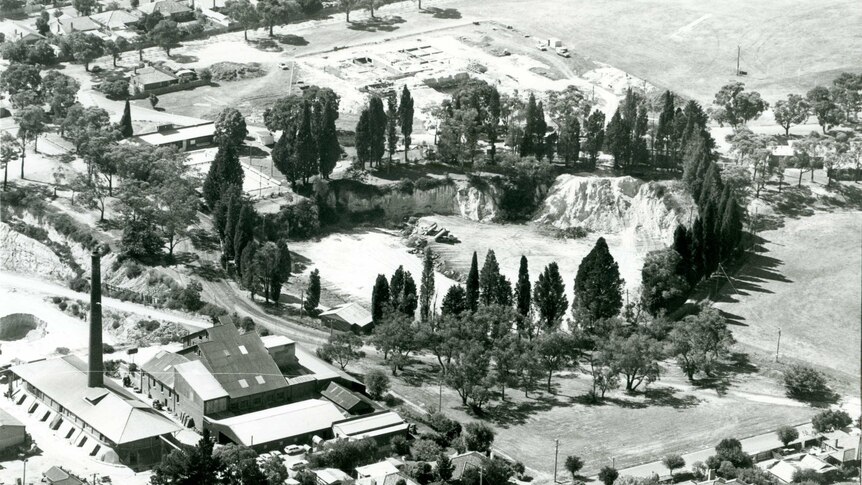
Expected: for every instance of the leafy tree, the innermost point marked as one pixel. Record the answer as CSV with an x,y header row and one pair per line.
x,y
845,92
380,298
177,210
523,291
276,12
830,420
468,371
729,450
126,121
604,375
238,460
824,108
395,337
444,468
230,127
608,475
574,464
85,47
598,285
636,357
662,285
200,465
391,127
305,148
806,384
42,53
244,234
8,154
594,137
377,121
342,348
326,134
569,142
672,462
20,78
472,285
377,383
405,118
362,138
555,350
42,25
272,263
736,107
244,13
787,434
166,35
233,207
31,124
489,279
312,293
549,296
84,7
477,436
274,470
426,285
699,341
250,277
792,111
455,301
402,289
117,89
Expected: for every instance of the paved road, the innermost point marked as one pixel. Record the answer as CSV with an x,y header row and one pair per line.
x,y
751,445
32,284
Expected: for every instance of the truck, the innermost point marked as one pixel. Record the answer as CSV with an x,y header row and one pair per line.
x,y
562,51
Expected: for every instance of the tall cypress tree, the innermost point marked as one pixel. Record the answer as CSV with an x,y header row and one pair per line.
x,y
697,248
493,121
229,165
426,285
528,144
549,296
377,125
541,127
312,292
454,301
523,290
380,298
328,149
405,118
408,299
598,286
664,130
396,287
234,206
250,276
281,273
710,238
391,127
306,148
244,232
569,143
489,278
126,121
731,228
682,245
362,139
473,284
712,186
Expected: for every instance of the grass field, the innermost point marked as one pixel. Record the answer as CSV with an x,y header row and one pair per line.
x,y
805,280
690,46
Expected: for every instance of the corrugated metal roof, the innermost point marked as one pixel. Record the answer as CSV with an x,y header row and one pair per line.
x,y
117,414
164,7
358,426
199,378
162,365
281,422
379,469
7,419
151,75
345,398
175,135
114,19
331,475
352,313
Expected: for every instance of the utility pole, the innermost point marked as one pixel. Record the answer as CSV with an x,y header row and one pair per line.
x,y
440,398
556,453
778,345
737,59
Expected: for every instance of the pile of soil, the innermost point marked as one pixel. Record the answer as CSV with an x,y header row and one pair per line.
x,y
236,71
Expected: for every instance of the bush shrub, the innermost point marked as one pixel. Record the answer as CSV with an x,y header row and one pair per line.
x,y
107,348
62,350
116,89
149,325
806,384
449,428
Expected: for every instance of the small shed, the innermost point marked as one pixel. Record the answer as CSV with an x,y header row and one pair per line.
x,y
331,476
150,78
348,317
352,402
12,431
57,476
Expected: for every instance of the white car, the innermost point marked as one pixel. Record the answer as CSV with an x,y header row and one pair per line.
x,y
562,52
298,465
284,66
542,46
294,450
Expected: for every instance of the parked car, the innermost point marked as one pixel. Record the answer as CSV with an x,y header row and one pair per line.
x,y
299,465
562,52
293,450
542,46
284,66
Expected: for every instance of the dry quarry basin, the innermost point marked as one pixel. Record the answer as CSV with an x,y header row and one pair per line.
x,y
17,326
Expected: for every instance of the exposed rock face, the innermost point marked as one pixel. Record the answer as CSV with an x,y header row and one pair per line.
x,y
647,210
22,254
455,198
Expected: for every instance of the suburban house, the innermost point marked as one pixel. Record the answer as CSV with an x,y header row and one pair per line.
x,y
376,470
12,432
184,138
65,26
350,317
464,461
13,31
331,476
176,11
784,469
115,19
151,77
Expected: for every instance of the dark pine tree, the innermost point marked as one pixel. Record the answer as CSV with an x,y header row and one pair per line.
x,y
489,278
473,284
380,298
312,292
234,207
126,121
328,149
454,301
598,286
396,287
244,233
523,289
426,285
697,249
405,118
549,296
682,245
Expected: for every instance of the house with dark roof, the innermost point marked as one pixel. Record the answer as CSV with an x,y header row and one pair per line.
x,y
348,317
352,402
65,26
463,461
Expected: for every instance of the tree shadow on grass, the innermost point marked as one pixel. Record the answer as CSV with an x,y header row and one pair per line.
x,y
513,413
666,396
443,13
377,24
204,240
291,39
208,271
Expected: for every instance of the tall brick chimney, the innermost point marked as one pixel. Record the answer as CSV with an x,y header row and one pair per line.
x,y
96,369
